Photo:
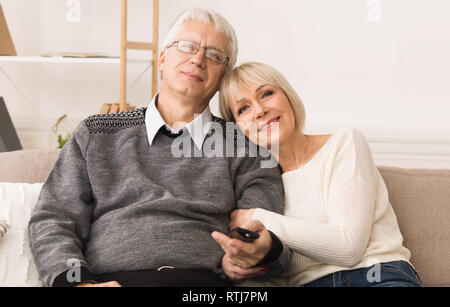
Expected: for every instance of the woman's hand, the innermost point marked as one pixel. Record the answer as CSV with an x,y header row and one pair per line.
x,y
240,216
246,254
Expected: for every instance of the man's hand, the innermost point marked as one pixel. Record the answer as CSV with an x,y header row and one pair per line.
x,y
111,284
240,216
238,274
246,254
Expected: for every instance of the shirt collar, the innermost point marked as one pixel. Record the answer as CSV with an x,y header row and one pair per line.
x,y
198,128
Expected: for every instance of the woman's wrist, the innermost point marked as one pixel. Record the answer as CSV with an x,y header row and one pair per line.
x,y
258,214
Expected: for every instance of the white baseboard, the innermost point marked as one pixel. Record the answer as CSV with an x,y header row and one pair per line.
x,y
420,154
406,148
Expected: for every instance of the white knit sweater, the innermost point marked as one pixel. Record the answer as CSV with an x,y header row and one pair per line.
x,y
337,215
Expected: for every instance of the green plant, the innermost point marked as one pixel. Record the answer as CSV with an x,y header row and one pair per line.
x,y
62,141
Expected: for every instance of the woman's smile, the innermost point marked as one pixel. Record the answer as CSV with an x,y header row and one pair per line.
x,y
268,126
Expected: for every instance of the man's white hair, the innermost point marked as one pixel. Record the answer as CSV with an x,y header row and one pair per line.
x,y
206,15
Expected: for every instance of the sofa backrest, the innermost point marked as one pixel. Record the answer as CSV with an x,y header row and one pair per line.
x,y
27,166
420,198
421,201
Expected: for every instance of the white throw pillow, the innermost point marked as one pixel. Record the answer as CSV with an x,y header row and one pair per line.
x,y
17,267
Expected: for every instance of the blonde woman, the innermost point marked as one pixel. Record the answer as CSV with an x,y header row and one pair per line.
x,y
338,219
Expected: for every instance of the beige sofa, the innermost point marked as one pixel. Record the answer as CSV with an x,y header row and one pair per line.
x,y
421,200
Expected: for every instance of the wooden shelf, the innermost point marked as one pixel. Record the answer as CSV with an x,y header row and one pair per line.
x,y
57,59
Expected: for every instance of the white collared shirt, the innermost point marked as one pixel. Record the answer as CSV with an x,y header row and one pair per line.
x,y
198,128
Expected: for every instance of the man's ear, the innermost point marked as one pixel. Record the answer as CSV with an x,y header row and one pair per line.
x,y
162,60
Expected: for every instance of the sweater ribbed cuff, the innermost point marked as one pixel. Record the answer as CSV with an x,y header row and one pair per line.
x,y
274,252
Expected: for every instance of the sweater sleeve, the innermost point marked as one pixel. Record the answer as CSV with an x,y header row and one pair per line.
x,y
60,222
259,186
350,206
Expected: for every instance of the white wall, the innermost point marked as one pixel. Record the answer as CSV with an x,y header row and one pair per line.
x,y
39,26
389,78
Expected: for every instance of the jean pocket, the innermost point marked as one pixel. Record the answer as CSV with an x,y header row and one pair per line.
x,y
401,268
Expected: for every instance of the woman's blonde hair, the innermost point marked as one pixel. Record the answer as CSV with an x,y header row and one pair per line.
x,y
239,80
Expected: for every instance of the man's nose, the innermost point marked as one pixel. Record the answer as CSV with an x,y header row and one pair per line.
x,y
199,57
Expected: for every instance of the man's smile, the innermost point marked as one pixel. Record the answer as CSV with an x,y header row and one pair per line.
x,y
193,76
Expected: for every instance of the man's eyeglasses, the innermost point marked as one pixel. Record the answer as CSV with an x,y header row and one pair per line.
x,y
210,53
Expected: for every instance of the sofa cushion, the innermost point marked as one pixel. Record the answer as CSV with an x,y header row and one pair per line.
x,y
17,267
421,201
27,166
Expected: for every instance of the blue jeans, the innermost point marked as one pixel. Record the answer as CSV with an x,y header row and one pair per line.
x,y
387,274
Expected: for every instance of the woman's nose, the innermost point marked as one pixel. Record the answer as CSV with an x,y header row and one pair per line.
x,y
260,110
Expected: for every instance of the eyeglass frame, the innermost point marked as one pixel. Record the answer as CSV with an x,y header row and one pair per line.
x,y
227,58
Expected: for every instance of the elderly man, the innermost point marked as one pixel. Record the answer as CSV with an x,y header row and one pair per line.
x,y
119,208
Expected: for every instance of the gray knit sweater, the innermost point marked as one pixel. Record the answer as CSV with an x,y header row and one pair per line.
x,y
115,203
